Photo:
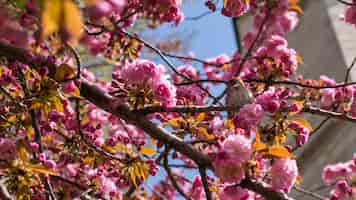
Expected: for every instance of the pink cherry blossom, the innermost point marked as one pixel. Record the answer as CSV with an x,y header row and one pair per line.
x,y
249,116
284,173
7,149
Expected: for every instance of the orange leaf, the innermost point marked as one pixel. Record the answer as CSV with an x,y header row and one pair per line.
x,y
278,152
229,124
72,20
147,151
225,3
257,144
201,117
296,9
176,122
299,59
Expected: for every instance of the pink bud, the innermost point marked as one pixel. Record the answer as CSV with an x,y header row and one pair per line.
x,y
50,164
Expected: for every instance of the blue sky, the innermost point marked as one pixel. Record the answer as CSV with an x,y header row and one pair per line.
x,y
208,36
215,34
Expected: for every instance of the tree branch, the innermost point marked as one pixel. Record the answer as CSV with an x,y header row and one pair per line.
x,y
204,180
265,192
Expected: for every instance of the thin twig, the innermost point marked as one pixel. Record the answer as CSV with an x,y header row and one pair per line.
x,y
199,16
254,42
170,175
273,82
349,70
347,3
4,193
309,193
77,60
38,139
322,112
6,93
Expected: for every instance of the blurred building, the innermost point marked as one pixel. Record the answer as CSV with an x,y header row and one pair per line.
x,y
327,46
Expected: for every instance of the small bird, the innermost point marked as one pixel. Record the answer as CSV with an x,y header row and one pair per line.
x,y
237,95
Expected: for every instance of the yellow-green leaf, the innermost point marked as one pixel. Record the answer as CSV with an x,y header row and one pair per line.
x,y
38,168
64,16
64,72
22,153
147,151
73,22
201,117
51,16
229,124
29,132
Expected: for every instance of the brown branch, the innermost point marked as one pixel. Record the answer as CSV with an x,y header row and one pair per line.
x,y
62,179
130,191
200,81
104,101
273,82
185,109
265,192
204,180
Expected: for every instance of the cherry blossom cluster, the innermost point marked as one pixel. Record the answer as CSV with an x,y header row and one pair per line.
x,y
340,176
145,78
